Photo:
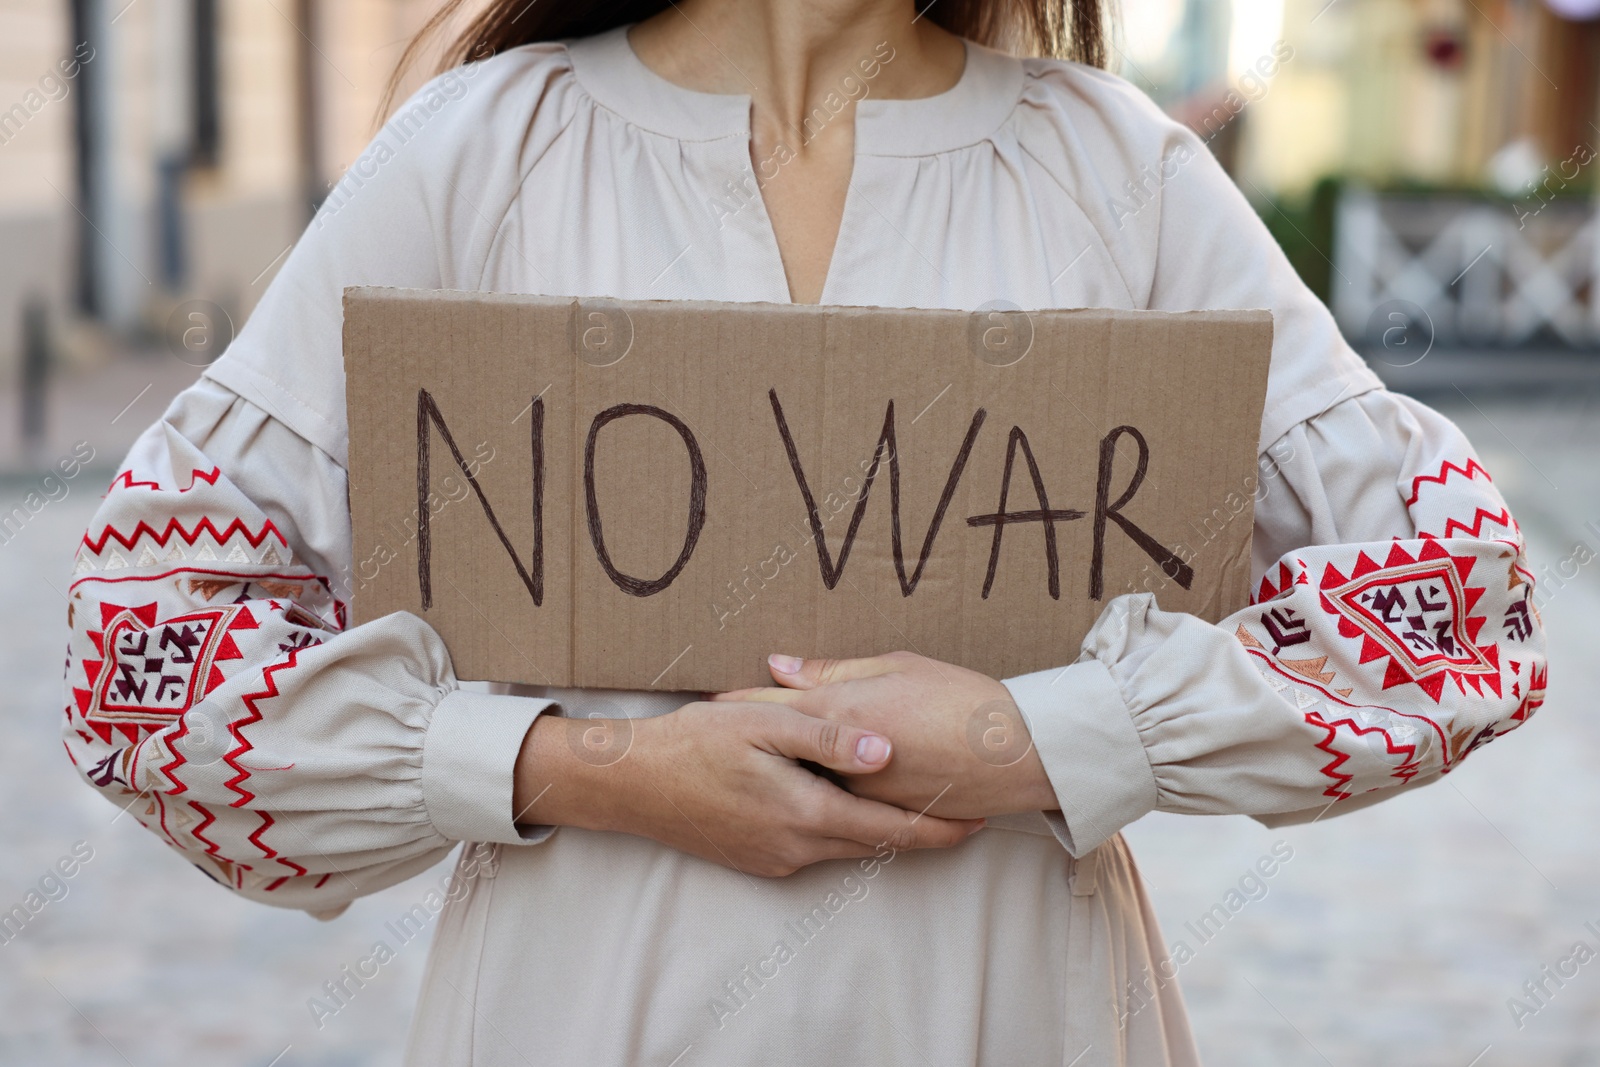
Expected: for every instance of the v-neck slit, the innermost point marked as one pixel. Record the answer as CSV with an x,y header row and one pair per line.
x,y
969,111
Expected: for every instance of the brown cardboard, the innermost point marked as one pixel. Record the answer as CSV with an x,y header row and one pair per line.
x,y
497,370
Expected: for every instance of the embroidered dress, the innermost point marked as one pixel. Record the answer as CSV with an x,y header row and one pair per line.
x,y
215,688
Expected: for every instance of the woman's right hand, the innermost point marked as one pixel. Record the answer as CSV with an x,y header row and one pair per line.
x,y
720,781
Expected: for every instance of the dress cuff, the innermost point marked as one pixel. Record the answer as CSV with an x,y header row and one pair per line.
x,y
469,758
1086,739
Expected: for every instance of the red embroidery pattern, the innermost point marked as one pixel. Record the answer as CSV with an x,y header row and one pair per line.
x,y
1416,611
126,480
1435,614
1406,769
188,536
236,728
148,673
272,853
1468,471
153,672
215,594
1501,518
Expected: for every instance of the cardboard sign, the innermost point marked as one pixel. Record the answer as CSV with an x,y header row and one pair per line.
x,y
656,495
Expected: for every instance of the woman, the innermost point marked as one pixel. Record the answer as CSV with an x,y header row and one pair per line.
x,y
708,898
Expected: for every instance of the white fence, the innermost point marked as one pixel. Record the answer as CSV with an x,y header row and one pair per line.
x,y
1474,272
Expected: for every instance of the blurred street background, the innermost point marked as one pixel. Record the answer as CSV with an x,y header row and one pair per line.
x,y
1428,165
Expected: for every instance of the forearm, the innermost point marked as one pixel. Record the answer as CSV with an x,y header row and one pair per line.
x,y
569,772
1002,740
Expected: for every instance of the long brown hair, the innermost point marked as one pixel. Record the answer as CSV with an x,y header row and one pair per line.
x,y
1064,29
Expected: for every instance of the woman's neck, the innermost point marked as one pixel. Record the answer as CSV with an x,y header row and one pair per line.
x,y
804,64
788,56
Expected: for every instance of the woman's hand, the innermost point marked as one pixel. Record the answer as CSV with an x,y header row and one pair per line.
x,y
720,781
960,743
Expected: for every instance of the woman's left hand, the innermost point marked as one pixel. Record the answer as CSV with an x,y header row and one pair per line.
x,y
960,746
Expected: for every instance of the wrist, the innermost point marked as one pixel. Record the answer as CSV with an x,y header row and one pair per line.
x,y
1000,736
567,774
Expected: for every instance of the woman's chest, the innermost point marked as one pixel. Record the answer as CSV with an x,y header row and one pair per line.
x,y
967,229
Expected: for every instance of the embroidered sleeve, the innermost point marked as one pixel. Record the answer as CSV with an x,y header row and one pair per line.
x,y
215,692
1393,632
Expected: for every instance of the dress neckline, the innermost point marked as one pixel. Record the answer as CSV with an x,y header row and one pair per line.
x,y
986,94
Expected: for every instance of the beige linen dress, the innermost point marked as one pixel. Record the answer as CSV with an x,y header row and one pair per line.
x,y
213,682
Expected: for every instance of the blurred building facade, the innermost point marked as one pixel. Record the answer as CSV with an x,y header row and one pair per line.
x,y
155,151
1466,94
1429,165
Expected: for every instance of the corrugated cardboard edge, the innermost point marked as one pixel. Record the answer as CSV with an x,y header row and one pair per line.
x,y
378,294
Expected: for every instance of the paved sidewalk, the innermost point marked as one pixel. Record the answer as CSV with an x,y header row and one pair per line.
x,y
107,407
146,962
1393,936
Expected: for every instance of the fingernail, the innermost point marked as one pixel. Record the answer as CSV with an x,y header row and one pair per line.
x,y
872,749
785,664
980,825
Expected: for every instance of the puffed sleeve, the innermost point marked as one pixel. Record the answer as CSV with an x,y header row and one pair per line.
x,y
1395,634
215,693
213,688
1393,628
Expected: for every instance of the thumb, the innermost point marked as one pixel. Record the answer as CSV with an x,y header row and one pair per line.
x,y
835,745
795,673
